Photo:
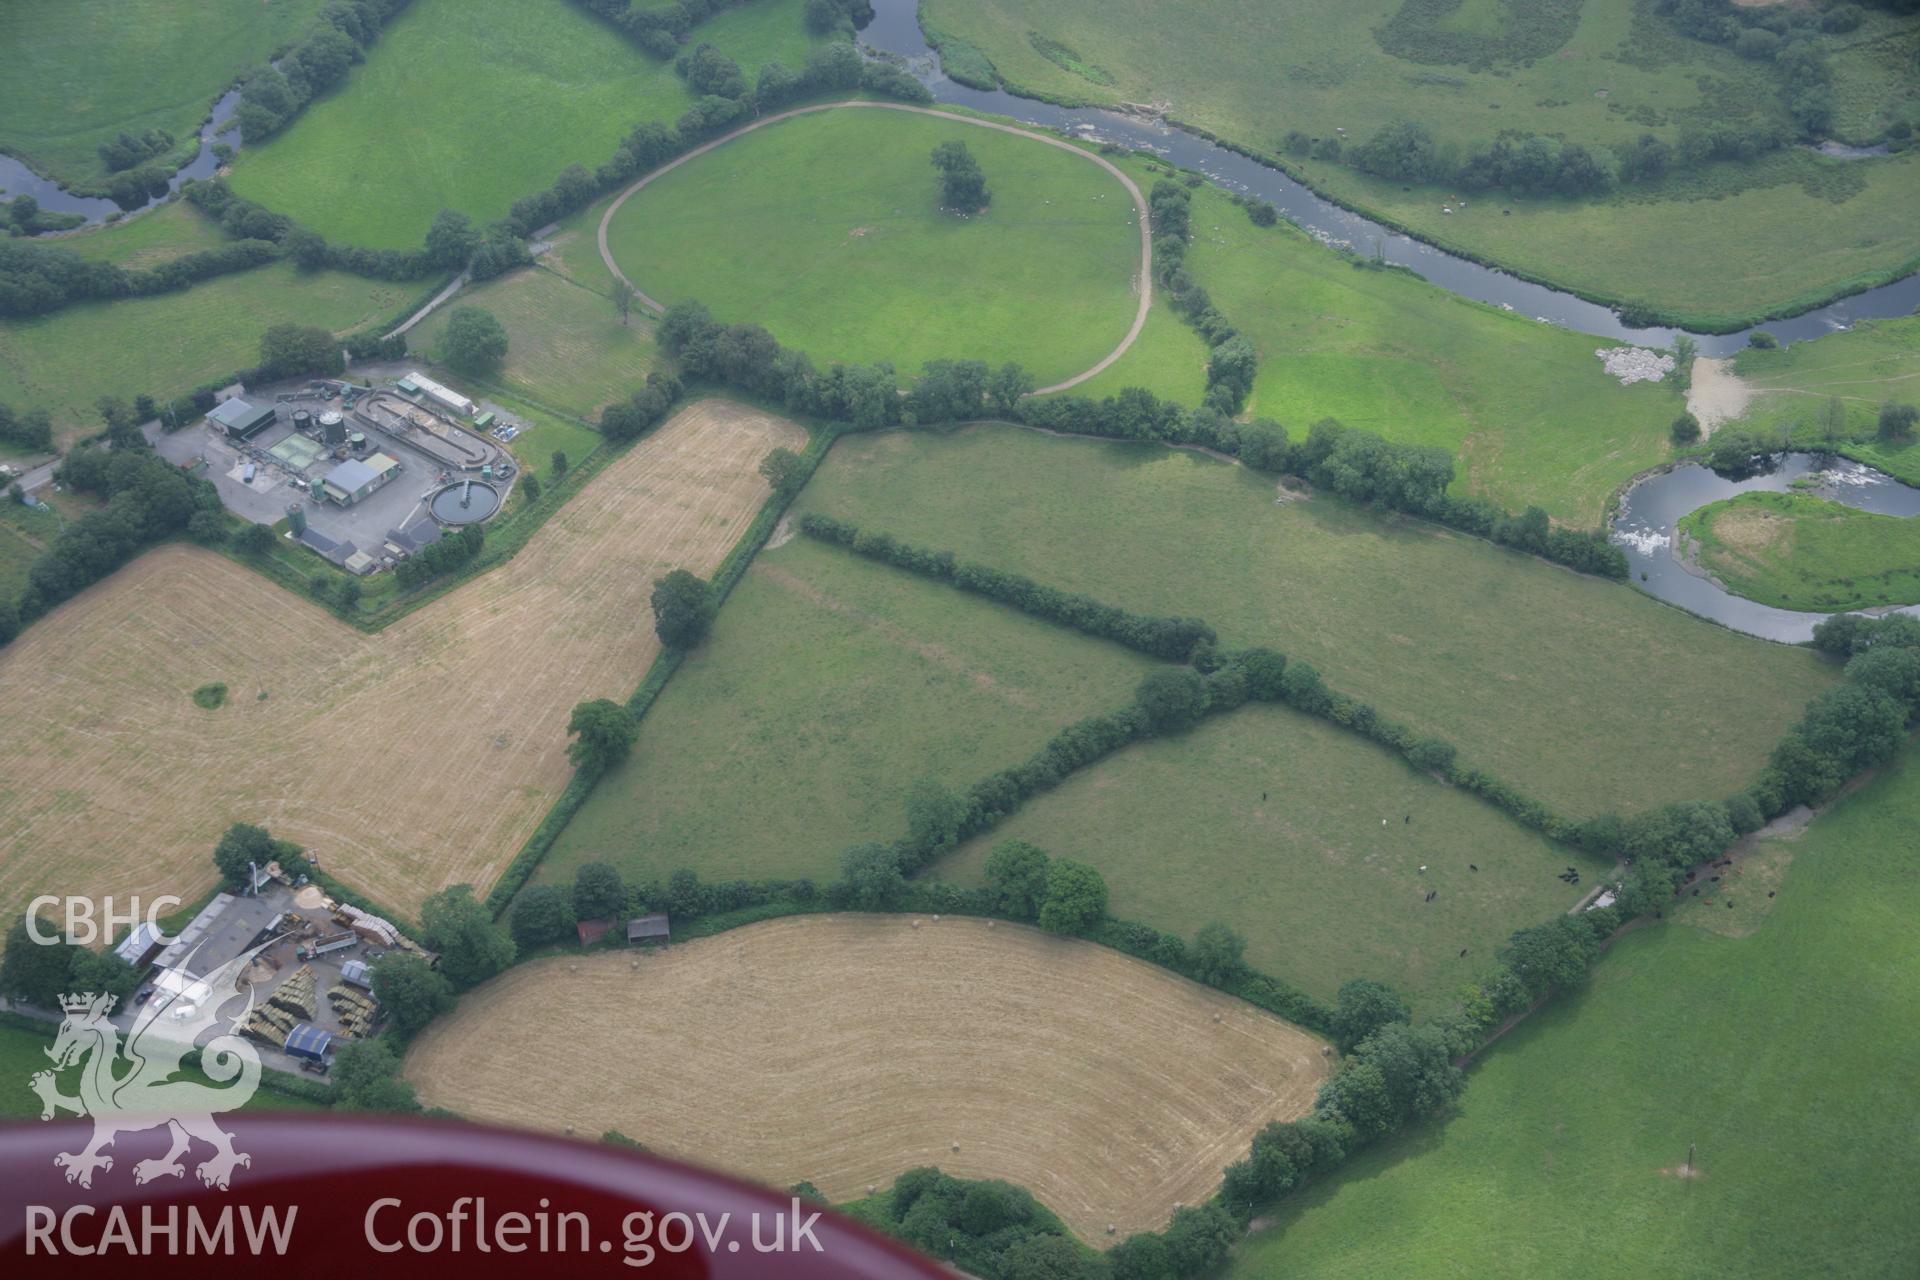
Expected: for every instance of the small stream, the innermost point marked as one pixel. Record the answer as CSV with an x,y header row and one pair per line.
x,y
16,179
896,30
1650,509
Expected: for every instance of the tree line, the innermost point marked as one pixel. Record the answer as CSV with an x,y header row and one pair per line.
x,y
339,36
832,68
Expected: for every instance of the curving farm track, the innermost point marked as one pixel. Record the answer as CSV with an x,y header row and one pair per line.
x,y
1145,303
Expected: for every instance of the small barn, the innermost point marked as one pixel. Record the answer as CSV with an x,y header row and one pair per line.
x,y
357,973
591,931
309,1042
648,929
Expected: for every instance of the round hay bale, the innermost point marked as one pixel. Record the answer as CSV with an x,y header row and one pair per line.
x,y
916,924
956,1146
1110,1228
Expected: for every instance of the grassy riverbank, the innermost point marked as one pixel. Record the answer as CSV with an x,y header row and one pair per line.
x,y
1798,551
1722,245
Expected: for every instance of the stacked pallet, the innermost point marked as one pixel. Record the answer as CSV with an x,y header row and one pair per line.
x,y
355,1009
297,995
271,1025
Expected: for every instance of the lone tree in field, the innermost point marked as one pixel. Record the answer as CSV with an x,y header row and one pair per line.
x,y
1686,428
785,471
683,609
474,342
603,734
1896,421
963,188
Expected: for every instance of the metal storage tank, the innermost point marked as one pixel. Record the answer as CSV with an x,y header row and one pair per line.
x,y
296,519
333,429
358,440
302,420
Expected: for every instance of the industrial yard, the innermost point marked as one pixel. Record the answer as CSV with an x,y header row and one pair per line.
x,y
466,698
363,476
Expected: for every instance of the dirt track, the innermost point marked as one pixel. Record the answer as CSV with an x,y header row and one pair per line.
x,y
845,1049
416,758
1142,218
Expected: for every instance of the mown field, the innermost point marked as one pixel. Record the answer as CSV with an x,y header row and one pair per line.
x,y
1106,1119
1576,690
81,71
828,687
1789,1060
1270,821
171,342
471,104
1736,241
1798,551
1528,411
1865,367
473,691
566,346
23,1055
866,266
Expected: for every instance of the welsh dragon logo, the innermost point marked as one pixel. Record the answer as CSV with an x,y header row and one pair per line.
x,y
137,1085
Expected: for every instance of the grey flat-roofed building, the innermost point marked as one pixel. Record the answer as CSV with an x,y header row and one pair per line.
x,y
223,930
240,419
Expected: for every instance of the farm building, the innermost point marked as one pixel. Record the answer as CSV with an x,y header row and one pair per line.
x,y
309,1042
241,420
141,944
353,479
357,973
225,929
651,928
445,397
591,931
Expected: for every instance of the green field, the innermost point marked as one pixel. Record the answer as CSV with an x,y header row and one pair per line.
x,y
1735,241
1578,691
1791,1057
866,266
168,343
1270,821
829,686
1866,366
81,71
24,534
566,346
23,1054
146,240
471,104
1798,551
1527,409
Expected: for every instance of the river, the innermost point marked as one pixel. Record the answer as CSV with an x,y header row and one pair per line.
x,y
896,30
1649,510
16,179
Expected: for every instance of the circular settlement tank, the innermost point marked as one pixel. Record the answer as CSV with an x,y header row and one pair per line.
x,y
464,502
